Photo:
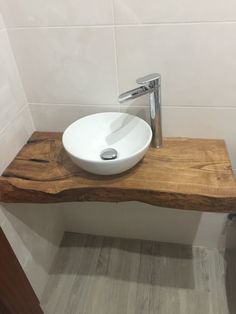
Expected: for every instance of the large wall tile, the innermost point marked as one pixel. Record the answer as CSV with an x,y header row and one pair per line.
x,y
59,117
161,11
12,97
195,122
197,61
202,123
139,111
56,12
15,136
67,65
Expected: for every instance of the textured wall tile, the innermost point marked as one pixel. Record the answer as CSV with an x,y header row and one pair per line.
x,y
57,12
12,96
59,117
163,11
14,137
67,65
196,61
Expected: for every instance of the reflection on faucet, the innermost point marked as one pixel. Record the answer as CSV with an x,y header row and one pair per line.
x,y
151,84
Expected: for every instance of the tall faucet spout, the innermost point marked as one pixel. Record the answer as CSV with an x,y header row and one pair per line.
x,y
151,84
133,93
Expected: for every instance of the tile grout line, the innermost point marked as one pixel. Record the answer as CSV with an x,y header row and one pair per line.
x,y
131,106
115,50
59,27
18,74
31,118
72,105
18,113
176,23
120,25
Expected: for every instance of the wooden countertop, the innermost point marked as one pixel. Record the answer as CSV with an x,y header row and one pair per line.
x,y
192,174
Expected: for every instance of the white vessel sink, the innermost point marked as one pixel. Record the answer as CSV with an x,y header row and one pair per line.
x,y
126,137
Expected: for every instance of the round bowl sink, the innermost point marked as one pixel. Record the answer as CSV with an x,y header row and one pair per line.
x,y
107,143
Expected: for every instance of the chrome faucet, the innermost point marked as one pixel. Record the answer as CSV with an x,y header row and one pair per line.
x,y
151,84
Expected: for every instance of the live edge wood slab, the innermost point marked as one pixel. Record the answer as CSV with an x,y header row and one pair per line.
x,y
193,174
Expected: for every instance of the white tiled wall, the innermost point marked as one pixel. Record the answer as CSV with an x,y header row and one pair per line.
x,y
12,97
76,56
68,65
58,117
173,11
33,232
84,53
57,12
197,61
15,120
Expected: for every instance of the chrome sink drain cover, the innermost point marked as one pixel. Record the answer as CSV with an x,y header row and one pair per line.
x,y
109,154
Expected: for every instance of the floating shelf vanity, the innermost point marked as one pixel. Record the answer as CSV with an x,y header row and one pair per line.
x,y
193,174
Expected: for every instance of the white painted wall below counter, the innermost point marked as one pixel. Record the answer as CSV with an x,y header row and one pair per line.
x,y
141,221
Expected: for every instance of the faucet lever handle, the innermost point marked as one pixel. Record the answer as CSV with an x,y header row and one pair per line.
x,y
148,78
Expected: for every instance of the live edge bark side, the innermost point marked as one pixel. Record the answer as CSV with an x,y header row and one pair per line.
x,y
193,174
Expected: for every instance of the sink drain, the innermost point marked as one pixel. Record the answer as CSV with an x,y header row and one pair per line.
x,y
109,154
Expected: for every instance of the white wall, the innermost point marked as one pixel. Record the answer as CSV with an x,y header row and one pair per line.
x,y
140,221
34,232
76,56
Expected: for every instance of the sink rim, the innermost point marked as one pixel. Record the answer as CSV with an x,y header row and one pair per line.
x,y
119,159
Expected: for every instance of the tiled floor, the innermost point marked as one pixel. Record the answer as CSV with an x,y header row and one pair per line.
x,y
101,275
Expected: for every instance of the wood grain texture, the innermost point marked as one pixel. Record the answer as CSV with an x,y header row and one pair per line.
x,y
192,174
101,275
